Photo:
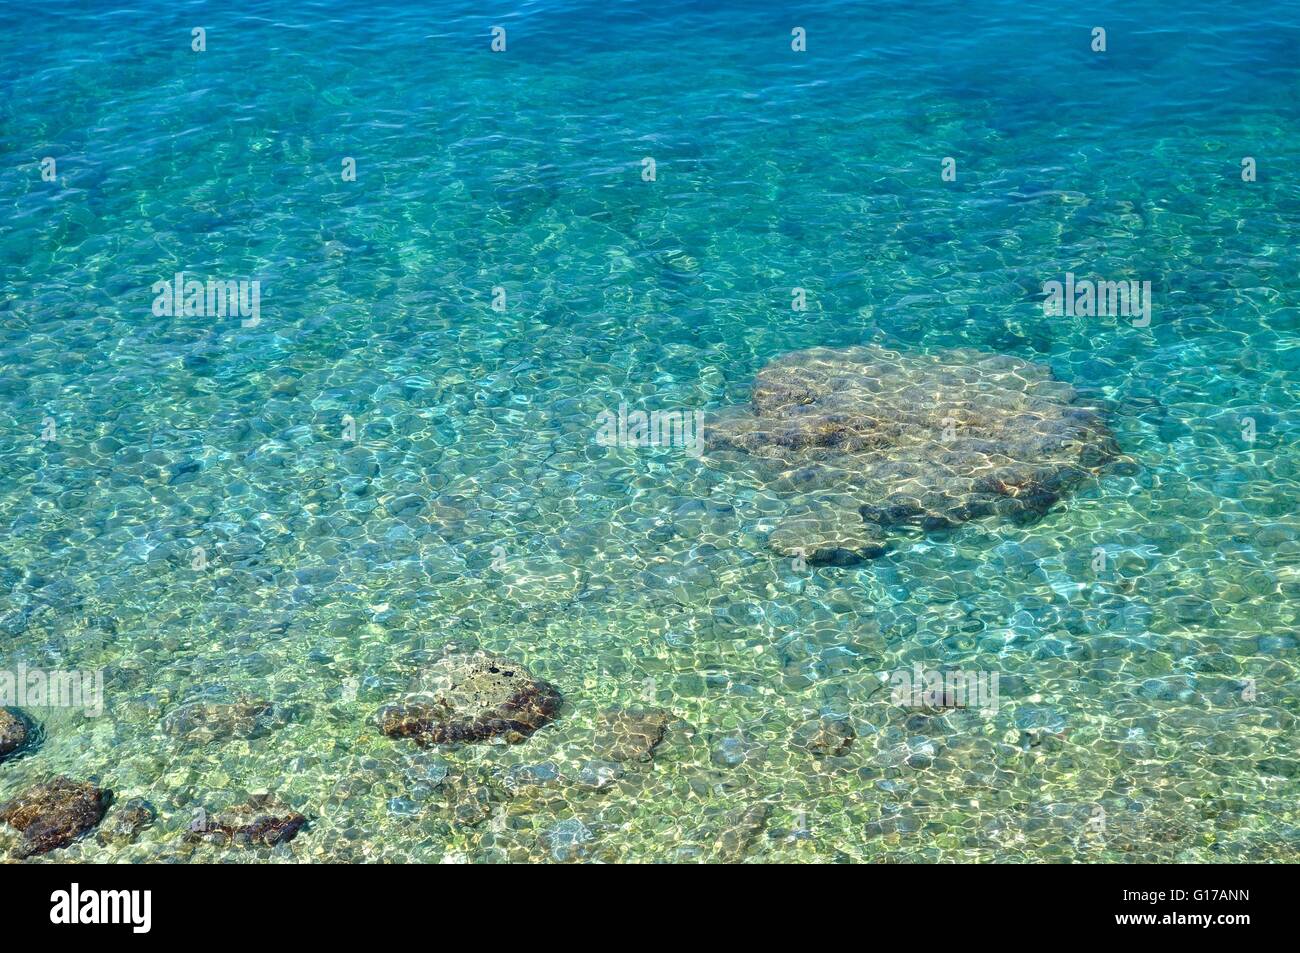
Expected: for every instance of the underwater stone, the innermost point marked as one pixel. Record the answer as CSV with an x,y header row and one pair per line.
x,y
740,828
431,773
598,775
15,621
124,825
730,751
865,440
522,777
54,814
208,721
566,840
470,800
630,734
261,822
823,534
403,807
473,697
824,737
408,506
13,732
1190,610
1040,718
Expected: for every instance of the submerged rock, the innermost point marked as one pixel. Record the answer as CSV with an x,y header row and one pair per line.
x,y
825,737
126,822
54,814
740,828
208,721
471,800
261,822
598,775
732,750
825,534
566,840
13,732
630,734
473,697
866,440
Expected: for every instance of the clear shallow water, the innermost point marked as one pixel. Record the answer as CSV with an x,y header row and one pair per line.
x,y
643,577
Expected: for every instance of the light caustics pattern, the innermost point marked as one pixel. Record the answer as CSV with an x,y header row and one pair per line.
x,y
261,530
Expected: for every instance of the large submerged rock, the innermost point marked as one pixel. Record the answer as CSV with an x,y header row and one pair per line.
x,y
473,697
54,814
866,441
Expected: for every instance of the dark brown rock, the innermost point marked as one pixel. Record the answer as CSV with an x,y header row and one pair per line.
x,y
54,814
630,734
472,698
261,822
13,732
864,441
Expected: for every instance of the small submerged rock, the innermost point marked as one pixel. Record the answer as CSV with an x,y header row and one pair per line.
x,y
566,840
825,737
598,775
126,822
470,698
54,814
630,734
740,828
14,732
732,750
203,721
822,533
261,822
864,440
430,772
471,800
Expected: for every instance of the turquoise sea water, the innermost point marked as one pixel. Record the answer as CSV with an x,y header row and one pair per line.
x,y
1148,708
